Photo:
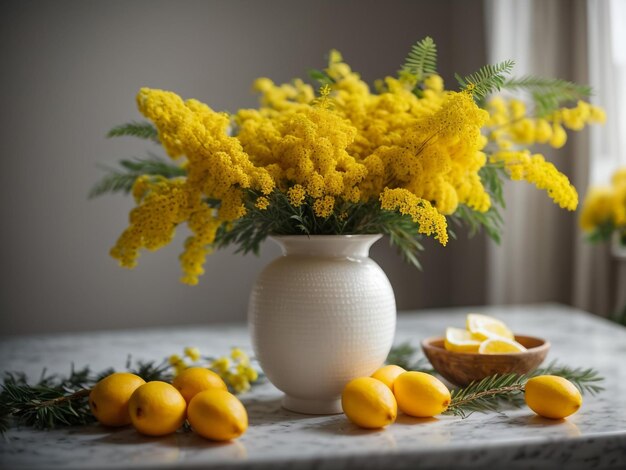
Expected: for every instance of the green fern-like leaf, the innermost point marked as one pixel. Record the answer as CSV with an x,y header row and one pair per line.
x,y
143,130
122,180
548,93
422,59
320,77
569,90
486,80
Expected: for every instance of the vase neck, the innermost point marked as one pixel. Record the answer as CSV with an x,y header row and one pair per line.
x,y
332,246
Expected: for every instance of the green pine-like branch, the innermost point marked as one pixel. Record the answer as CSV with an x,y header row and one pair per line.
x,y
493,392
486,80
122,180
586,380
51,402
62,401
141,129
422,59
404,355
484,395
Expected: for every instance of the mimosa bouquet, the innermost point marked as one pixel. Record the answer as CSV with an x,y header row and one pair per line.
x,y
604,210
405,160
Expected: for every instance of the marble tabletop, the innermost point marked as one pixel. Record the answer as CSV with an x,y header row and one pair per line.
x,y
595,437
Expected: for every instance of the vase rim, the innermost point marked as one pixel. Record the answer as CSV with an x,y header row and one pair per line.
x,y
356,236
343,246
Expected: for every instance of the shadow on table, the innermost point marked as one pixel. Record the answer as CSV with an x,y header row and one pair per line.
x,y
270,411
179,440
532,420
406,419
172,448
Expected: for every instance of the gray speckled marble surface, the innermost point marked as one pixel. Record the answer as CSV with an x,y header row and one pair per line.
x,y
595,437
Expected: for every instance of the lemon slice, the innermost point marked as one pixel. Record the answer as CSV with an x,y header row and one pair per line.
x,y
500,346
458,340
486,327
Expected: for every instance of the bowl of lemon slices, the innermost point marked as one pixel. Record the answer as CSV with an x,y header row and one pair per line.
x,y
485,347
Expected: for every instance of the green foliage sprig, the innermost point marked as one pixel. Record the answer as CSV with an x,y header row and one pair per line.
x,y
487,79
142,129
281,218
421,61
55,401
587,380
122,179
486,395
52,401
548,93
321,77
492,176
404,355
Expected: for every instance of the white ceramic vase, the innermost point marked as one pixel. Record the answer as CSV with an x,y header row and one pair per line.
x,y
321,315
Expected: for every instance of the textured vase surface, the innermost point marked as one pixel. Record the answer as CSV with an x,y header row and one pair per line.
x,y
320,315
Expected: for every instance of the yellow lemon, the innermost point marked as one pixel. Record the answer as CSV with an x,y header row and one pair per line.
x,y
218,415
157,409
458,340
421,395
553,397
388,374
500,346
108,399
485,327
197,379
369,403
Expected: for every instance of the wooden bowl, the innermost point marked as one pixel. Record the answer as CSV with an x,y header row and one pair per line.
x,y
463,368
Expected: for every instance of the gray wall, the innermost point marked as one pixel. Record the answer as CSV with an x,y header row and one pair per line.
x,y
70,71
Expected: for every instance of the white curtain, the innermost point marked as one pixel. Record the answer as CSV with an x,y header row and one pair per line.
x,y
607,76
543,256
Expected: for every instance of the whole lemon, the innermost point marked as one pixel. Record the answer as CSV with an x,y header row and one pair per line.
x,y
388,374
369,403
157,409
420,394
553,397
217,414
197,379
108,400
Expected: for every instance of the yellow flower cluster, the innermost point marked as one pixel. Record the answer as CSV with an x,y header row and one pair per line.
x,y
510,123
606,206
179,364
510,126
543,174
418,154
217,168
421,211
236,370
363,143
